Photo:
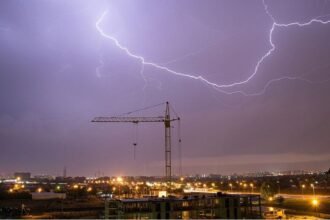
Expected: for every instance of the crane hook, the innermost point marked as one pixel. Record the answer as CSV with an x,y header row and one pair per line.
x,y
135,142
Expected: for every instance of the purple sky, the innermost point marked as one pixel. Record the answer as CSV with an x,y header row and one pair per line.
x,y
57,72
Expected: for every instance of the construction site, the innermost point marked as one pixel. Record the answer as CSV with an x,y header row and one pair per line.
x,y
188,207
169,204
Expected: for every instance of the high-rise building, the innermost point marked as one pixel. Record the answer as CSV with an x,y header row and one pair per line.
x,y
64,172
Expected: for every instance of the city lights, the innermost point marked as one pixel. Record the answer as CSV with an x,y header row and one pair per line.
x,y
315,202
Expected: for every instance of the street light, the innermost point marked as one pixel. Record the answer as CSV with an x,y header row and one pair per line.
x,y
312,185
251,185
231,186
315,203
302,188
279,186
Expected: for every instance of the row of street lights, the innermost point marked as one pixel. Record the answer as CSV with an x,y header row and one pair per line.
x,y
303,186
245,185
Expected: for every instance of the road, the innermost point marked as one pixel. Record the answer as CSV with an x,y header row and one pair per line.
x,y
284,195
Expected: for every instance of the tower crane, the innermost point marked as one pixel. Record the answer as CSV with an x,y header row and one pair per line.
x,y
166,119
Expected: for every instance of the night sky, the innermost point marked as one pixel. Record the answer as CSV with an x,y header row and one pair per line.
x,y
58,72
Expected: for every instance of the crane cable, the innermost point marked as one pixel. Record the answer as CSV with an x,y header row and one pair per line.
x,y
179,147
135,141
142,109
174,112
179,139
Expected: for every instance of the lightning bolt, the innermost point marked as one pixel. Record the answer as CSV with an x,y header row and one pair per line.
x,y
219,87
269,83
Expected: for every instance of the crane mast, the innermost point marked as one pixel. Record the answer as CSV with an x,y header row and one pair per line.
x,y
168,162
166,119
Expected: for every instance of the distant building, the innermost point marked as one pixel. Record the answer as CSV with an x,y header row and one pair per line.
x,y
79,179
22,175
43,177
